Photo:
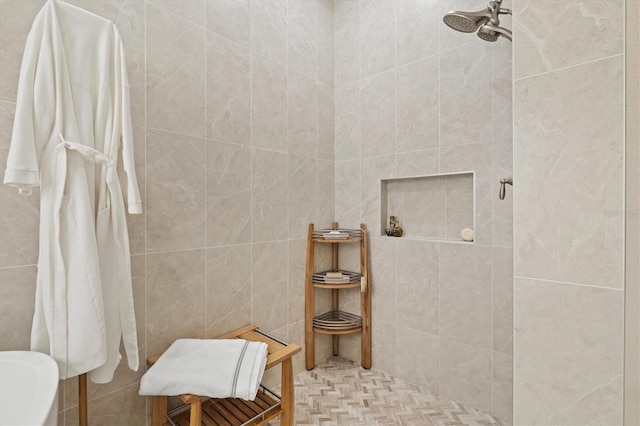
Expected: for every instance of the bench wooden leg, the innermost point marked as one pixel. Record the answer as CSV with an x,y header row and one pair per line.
x,y
196,413
159,410
288,398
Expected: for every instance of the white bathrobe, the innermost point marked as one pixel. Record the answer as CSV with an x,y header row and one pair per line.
x,y
72,136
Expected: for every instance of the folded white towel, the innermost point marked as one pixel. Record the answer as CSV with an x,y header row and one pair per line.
x,y
216,368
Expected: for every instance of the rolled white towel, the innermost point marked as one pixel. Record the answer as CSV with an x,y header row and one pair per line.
x,y
216,368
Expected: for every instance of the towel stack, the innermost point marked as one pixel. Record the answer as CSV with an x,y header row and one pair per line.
x,y
216,368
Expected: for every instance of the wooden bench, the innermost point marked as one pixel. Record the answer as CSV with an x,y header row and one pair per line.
x,y
198,410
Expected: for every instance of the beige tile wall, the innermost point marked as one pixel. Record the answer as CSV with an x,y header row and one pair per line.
x,y
569,211
414,97
632,223
232,102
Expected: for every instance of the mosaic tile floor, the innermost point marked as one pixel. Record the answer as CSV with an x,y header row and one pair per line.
x,y
339,392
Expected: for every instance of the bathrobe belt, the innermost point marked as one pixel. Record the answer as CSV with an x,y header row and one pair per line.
x,y
115,204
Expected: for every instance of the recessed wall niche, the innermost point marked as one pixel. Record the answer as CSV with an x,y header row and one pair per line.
x,y
432,207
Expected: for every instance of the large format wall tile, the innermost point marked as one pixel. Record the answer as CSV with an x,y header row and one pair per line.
x,y
175,73
347,122
418,295
15,22
423,208
303,194
269,285
269,186
475,157
269,29
378,112
569,128
347,42
19,223
175,191
326,123
303,37
502,93
228,91
228,288
303,115
175,298
384,279
465,373
297,251
458,205
325,42
502,210
556,34
191,10
503,299
465,95
568,374
230,19
416,26
417,105
373,170
326,193
502,393
418,163
228,194
17,302
348,191
269,104
465,294
378,37
383,345
418,357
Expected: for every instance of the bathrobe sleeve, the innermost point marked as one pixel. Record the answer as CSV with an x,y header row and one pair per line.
x,y
35,111
128,172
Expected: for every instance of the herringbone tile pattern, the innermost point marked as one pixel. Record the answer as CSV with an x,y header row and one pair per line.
x,y
339,392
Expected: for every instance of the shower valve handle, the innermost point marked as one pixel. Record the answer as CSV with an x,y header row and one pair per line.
x,y
503,184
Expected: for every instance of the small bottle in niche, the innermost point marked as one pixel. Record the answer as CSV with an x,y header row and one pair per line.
x,y
393,228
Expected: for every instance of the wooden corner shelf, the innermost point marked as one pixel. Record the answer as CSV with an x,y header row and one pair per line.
x,y
337,322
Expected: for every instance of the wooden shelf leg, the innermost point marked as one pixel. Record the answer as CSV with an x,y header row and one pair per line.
x,y
159,410
336,338
288,402
309,305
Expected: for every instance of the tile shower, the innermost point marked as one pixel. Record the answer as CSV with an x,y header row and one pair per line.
x,y
415,98
233,103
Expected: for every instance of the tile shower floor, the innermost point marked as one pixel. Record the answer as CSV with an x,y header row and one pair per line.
x,y
339,392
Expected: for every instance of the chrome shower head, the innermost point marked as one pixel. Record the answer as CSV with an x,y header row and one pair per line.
x,y
492,33
466,22
487,21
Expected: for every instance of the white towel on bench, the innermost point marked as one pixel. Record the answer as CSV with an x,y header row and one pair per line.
x,y
216,368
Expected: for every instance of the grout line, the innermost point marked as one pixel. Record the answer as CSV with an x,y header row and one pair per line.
x,y
493,215
206,166
287,168
546,281
182,18
146,206
251,152
568,67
